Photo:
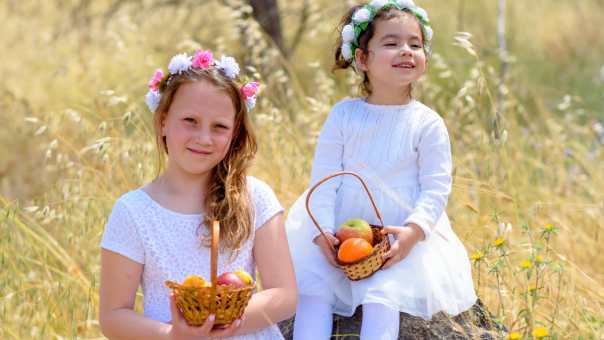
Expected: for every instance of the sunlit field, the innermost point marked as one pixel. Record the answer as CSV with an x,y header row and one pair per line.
x,y
75,134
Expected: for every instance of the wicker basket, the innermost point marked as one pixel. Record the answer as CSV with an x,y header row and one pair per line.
x,y
198,302
371,263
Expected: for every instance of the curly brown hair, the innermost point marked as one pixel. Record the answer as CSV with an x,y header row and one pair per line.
x,y
386,13
227,199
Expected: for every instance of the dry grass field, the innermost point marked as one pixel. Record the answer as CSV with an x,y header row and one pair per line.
x,y
75,135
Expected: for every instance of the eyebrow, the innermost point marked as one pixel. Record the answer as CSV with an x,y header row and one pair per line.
x,y
394,35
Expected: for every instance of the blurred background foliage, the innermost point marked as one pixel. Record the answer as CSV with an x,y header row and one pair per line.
x,y
76,135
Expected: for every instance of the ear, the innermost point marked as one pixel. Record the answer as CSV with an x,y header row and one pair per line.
x,y
361,59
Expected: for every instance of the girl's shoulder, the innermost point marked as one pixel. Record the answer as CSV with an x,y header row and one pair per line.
x,y
346,102
265,201
134,200
426,115
258,187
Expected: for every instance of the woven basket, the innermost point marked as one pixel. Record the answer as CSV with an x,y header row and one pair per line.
x,y
198,302
371,263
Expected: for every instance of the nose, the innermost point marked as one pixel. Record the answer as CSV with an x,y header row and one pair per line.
x,y
406,50
202,137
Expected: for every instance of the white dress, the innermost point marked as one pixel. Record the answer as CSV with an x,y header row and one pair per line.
x,y
167,244
403,154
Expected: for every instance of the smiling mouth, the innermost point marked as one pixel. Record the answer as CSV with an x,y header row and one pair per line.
x,y
199,152
404,66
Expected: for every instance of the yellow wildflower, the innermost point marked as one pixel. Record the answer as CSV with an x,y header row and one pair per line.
x,y
532,288
540,333
477,256
513,336
499,242
549,227
525,264
539,258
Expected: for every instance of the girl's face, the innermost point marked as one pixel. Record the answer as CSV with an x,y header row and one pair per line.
x,y
198,127
396,56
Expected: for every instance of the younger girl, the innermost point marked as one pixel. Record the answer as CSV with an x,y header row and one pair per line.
x,y
401,149
160,231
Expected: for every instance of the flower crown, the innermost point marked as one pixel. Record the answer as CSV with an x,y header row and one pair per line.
x,y
364,15
204,60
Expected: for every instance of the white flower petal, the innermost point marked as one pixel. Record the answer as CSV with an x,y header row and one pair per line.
x,y
362,15
180,63
228,65
152,99
429,33
348,34
405,3
250,103
421,12
346,52
377,4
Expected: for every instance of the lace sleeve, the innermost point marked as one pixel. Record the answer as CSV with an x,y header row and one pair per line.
x,y
267,204
121,235
329,154
434,176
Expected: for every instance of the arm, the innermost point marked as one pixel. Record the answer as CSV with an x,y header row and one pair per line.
x,y
119,280
434,176
279,297
435,186
329,156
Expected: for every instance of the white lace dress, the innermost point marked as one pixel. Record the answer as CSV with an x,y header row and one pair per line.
x,y
166,243
403,154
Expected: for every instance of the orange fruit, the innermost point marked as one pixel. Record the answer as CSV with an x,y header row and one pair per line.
x,y
354,249
194,280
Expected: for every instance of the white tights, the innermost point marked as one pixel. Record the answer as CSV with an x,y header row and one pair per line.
x,y
314,320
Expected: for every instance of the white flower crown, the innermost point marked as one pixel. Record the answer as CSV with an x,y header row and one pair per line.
x,y
364,15
204,60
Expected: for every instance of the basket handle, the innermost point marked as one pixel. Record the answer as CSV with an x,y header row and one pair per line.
x,y
214,265
323,180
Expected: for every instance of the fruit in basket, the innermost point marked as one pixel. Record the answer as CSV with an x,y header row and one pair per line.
x,y
194,280
230,279
355,228
247,278
354,249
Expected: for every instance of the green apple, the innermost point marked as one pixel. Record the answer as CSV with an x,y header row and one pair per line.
x,y
355,228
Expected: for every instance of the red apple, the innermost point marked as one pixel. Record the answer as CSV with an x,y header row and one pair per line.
x,y
230,279
355,228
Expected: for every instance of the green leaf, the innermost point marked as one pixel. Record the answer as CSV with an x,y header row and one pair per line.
x,y
357,31
364,25
522,310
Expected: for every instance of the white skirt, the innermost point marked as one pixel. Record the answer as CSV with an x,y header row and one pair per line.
x,y
435,276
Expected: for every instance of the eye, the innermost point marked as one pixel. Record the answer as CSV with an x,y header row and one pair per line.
x,y
390,44
220,126
190,120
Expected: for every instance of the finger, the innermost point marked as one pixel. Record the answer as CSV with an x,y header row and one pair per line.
x,y
227,332
389,229
207,325
177,316
390,262
334,240
393,250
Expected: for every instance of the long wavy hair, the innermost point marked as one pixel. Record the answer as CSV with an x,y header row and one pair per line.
x,y
227,198
363,40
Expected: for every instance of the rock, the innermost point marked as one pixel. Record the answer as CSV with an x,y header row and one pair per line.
x,y
473,324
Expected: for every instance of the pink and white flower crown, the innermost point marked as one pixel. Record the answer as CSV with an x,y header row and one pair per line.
x,y
204,60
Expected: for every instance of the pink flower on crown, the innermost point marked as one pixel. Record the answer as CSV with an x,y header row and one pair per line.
x,y
156,79
203,59
249,89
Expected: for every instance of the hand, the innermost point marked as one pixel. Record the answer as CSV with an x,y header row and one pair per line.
x,y
326,248
180,330
404,240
